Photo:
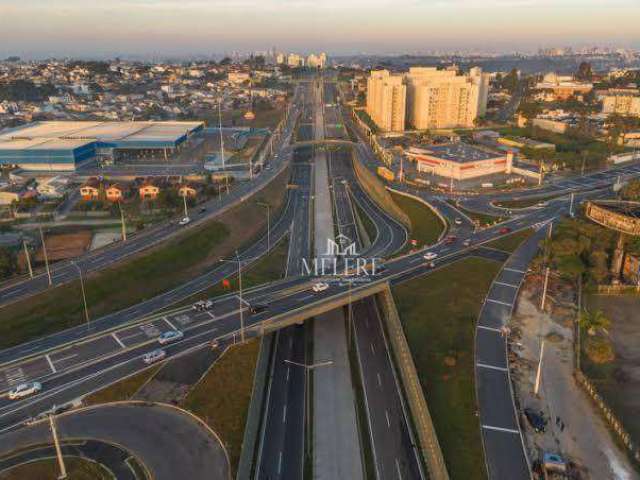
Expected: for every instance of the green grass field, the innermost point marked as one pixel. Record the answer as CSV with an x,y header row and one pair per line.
x,y
439,313
123,390
222,397
426,226
509,243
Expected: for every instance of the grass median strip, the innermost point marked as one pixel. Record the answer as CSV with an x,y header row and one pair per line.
x,y
439,313
509,243
426,226
77,469
122,390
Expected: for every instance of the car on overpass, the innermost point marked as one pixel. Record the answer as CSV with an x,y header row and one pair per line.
x,y
24,390
320,287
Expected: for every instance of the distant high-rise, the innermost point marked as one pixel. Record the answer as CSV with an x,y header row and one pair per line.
x,y
444,99
386,100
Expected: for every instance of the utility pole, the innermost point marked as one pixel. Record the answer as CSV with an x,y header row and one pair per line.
x,y
184,199
124,227
571,205
44,253
56,442
84,297
539,373
28,258
241,301
220,131
547,271
268,207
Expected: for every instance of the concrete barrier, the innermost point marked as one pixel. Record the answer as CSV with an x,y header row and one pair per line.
x,y
427,438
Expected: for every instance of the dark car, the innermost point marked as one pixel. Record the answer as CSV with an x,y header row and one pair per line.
x,y
537,421
258,307
504,230
450,239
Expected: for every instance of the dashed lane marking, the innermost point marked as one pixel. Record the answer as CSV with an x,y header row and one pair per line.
x,y
506,284
53,369
491,367
118,341
173,327
500,429
498,302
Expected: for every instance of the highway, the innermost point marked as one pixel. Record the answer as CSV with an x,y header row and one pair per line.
x,y
78,361
64,272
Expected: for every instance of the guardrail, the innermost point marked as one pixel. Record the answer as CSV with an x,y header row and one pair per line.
x,y
427,437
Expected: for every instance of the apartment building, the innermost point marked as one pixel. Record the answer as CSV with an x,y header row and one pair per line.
x,y
426,98
386,100
622,102
444,99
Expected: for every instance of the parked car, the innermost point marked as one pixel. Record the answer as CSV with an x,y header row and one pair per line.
x,y
537,421
24,390
184,221
320,287
202,305
430,256
170,336
154,356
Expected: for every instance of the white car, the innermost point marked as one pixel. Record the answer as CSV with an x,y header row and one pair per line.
x,y
202,305
320,287
184,221
458,221
430,256
170,336
154,356
24,390
467,242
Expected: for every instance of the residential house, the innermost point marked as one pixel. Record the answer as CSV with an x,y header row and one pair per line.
x,y
187,191
90,190
114,193
149,191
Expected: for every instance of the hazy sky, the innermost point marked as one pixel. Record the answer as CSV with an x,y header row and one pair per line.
x,y
37,28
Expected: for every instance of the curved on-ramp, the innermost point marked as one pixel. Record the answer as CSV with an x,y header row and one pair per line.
x,y
170,442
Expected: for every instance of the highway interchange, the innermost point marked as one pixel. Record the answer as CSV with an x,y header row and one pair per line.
x,y
81,360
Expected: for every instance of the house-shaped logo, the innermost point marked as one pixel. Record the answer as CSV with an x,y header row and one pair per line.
x,y
342,245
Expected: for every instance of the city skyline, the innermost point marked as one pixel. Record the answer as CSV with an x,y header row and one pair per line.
x,y
39,29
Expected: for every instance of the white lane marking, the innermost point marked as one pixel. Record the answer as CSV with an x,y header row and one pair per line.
x,y
386,414
284,413
373,350
500,429
115,337
288,368
15,375
498,302
279,463
513,270
492,367
68,357
379,380
491,329
398,469
53,369
173,327
306,297
213,317
506,284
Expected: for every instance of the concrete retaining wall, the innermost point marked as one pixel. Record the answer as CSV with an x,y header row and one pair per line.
x,y
427,437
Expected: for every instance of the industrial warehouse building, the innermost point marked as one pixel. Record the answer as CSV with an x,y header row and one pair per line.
x,y
460,161
61,145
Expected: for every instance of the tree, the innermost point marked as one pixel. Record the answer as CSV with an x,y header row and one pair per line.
x,y
584,73
593,321
225,61
529,110
510,81
7,263
631,191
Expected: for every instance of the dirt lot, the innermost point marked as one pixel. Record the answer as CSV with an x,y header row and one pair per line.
x,y
619,382
575,428
65,245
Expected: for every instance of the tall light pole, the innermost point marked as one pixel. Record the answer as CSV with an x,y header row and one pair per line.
x,y
268,207
220,131
547,271
124,227
28,258
307,369
84,297
56,443
184,199
44,253
571,205
539,372
241,301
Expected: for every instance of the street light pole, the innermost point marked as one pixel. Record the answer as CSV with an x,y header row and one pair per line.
x,y
307,369
268,207
220,131
184,199
124,227
84,297
56,443
28,258
44,252
539,373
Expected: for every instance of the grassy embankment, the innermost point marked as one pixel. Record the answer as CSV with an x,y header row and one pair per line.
x,y
142,277
481,219
509,243
426,226
439,313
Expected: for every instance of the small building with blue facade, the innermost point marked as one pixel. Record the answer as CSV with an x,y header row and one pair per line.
x,y
62,146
